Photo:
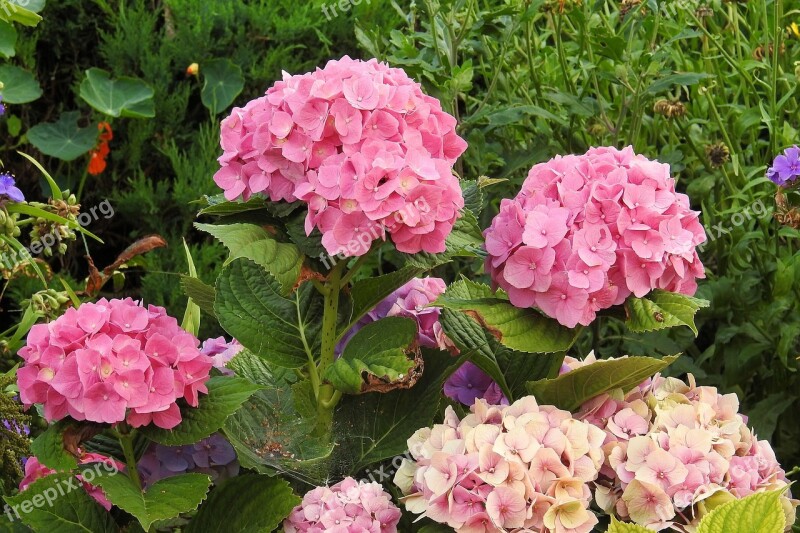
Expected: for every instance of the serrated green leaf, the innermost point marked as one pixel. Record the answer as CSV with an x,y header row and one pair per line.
x,y
378,349
524,330
164,499
245,504
250,307
223,82
63,139
49,448
368,292
624,527
19,85
201,293
225,396
282,260
63,507
121,97
661,309
570,390
473,196
758,513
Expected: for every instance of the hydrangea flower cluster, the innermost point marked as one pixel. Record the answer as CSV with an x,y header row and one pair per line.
x,y
35,470
361,145
213,455
672,447
504,468
347,507
585,232
111,361
786,167
469,382
410,301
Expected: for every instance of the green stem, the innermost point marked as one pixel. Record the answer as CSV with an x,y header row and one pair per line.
x,y
126,441
327,398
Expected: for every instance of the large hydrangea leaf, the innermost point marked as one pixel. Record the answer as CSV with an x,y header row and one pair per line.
x,y
570,390
758,513
662,309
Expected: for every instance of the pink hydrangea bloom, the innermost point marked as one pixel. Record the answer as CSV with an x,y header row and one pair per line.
x,y
35,470
585,232
347,507
111,361
670,445
361,145
522,467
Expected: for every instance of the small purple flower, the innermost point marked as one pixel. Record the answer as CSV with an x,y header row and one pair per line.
x,y
221,352
2,107
786,167
176,459
8,188
16,428
470,382
213,451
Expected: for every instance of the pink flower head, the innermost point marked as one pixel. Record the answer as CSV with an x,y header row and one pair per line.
x,y
348,506
504,468
361,145
111,361
585,232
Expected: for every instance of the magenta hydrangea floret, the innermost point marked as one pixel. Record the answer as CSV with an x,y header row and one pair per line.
x,y
113,361
585,232
349,506
361,145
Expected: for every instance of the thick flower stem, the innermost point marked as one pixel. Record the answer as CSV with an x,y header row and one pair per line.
x,y
126,441
327,398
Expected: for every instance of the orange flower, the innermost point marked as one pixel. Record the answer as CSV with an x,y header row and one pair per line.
x,y
98,154
97,163
193,69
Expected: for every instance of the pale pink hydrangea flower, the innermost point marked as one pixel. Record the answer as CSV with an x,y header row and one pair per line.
x,y
35,470
347,507
585,232
518,467
669,446
361,145
110,361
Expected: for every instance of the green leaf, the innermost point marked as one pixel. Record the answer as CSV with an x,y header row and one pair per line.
x,y
473,196
63,139
524,330
223,83
369,292
282,260
16,11
201,293
19,86
225,396
250,307
219,206
683,78
245,504
191,318
164,499
661,309
624,527
49,448
570,390
758,513
275,429
8,39
378,349
122,97
57,504
369,428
